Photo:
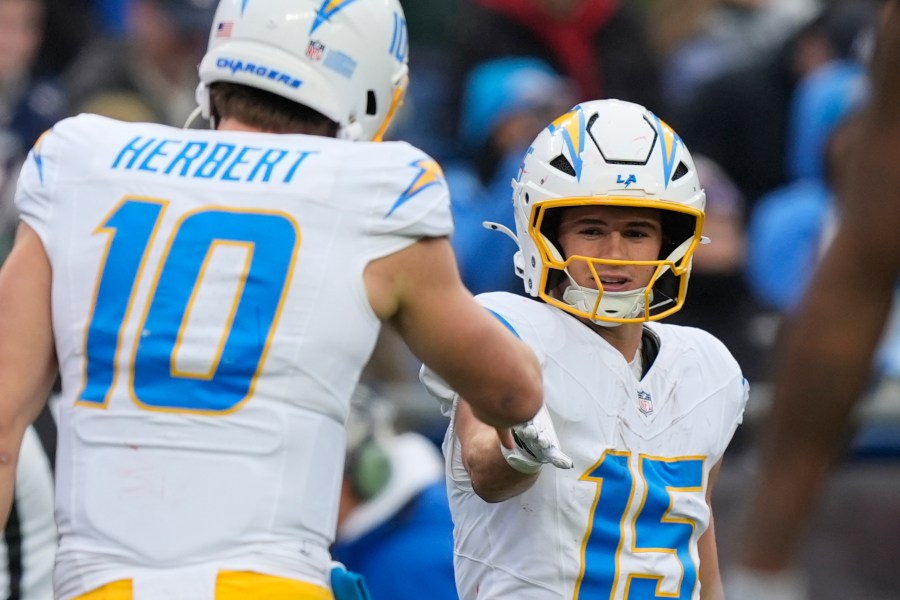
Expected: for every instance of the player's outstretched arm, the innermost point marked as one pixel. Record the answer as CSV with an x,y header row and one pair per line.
x,y
828,351
491,476
503,463
27,356
420,291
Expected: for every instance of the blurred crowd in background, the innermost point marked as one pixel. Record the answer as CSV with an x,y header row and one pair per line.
x,y
760,90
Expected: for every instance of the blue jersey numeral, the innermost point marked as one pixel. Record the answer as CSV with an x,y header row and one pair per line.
x,y
130,227
622,523
269,241
400,39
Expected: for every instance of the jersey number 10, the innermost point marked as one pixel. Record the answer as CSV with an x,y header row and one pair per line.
x,y
269,242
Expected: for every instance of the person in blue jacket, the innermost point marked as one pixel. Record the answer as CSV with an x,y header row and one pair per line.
x,y
394,525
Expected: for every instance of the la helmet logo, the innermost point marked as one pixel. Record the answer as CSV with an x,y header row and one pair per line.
x,y
627,181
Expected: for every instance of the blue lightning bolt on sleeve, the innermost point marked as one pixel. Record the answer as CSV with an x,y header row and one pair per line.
x,y
406,196
427,174
35,185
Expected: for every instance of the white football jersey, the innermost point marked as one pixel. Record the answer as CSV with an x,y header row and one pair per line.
x,y
211,322
624,522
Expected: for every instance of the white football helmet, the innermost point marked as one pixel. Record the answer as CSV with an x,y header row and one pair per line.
x,y
346,59
613,153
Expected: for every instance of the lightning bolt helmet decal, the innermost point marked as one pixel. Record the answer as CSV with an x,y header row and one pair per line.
x,y
328,9
572,125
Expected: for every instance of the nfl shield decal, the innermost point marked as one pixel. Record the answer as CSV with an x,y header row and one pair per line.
x,y
645,402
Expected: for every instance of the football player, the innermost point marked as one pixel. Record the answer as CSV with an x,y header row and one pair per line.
x,y
608,213
831,342
209,299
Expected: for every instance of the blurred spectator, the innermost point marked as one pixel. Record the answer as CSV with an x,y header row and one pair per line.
x,y
150,73
719,300
425,119
730,35
10,161
28,546
111,16
672,23
786,228
29,104
794,225
740,119
821,101
69,27
600,45
394,525
506,103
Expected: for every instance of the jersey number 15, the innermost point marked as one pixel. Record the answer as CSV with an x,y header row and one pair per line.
x,y
626,531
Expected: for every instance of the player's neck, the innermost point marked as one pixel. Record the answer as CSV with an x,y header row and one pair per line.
x,y
626,338
232,124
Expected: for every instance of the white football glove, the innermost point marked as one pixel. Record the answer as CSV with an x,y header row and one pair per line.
x,y
536,445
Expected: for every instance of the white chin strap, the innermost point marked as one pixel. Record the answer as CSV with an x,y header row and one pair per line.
x,y
193,117
617,305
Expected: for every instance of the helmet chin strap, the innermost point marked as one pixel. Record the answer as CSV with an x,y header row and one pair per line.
x,y
619,305
193,117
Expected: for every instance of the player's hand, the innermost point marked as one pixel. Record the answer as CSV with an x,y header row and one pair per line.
x,y
536,445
